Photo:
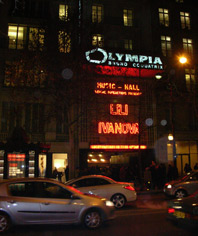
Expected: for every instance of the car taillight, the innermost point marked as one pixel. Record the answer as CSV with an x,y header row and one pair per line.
x,y
129,187
171,210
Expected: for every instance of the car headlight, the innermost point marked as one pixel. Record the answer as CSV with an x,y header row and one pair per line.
x,y
169,186
109,203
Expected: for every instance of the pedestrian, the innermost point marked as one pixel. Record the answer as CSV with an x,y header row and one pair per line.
x,y
187,168
55,173
196,166
60,174
67,173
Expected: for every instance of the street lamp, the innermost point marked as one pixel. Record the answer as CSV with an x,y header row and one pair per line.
x,y
171,137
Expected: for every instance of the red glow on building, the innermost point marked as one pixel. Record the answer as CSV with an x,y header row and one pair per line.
x,y
122,71
118,147
118,128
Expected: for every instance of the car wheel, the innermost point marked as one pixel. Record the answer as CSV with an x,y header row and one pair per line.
x,y
118,200
180,193
4,223
92,219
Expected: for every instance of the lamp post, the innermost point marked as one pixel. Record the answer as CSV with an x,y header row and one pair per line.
x,y
171,137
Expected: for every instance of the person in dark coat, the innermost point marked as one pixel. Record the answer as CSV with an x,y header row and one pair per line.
x,y
67,173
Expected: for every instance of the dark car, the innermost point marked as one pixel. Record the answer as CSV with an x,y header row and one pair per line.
x,y
183,186
26,201
184,210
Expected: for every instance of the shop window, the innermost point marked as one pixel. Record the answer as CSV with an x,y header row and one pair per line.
x,y
98,40
64,40
190,79
164,17
188,46
166,45
127,17
128,44
97,14
63,12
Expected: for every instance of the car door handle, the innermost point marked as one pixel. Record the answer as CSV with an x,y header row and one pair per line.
x,y
45,203
12,201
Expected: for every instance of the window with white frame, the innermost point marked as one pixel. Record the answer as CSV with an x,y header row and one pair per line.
x,y
128,44
97,13
128,17
163,16
166,45
185,20
17,36
64,40
63,12
188,45
190,79
97,40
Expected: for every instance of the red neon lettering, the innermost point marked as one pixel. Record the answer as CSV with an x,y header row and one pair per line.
x,y
117,147
119,110
115,128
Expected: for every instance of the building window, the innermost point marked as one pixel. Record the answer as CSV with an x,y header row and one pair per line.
x,y
127,17
185,20
63,12
36,39
188,46
17,36
164,17
180,1
128,44
166,45
97,40
18,74
64,40
190,79
97,14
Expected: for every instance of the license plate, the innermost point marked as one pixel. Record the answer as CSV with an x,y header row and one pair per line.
x,y
179,214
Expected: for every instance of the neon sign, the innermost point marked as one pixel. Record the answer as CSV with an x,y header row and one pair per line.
x,y
118,147
118,88
100,56
118,128
119,109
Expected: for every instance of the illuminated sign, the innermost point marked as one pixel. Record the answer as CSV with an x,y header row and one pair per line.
x,y
16,165
100,56
118,128
117,109
123,89
117,147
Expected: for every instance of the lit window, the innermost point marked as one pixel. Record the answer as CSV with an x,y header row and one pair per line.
x,y
180,1
185,20
64,40
36,39
188,45
97,14
164,17
128,44
63,12
17,36
166,45
190,79
127,17
97,40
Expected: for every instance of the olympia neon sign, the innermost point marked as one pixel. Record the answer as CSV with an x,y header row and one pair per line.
x,y
100,56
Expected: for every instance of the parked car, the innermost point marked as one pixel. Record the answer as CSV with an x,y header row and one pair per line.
x,y
44,201
182,187
118,192
184,210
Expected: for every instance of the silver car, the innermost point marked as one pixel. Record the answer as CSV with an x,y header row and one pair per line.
x,y
182,187
44,201
118,192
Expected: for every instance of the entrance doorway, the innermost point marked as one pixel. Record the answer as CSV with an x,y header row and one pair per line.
x,y
60,161
181,160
